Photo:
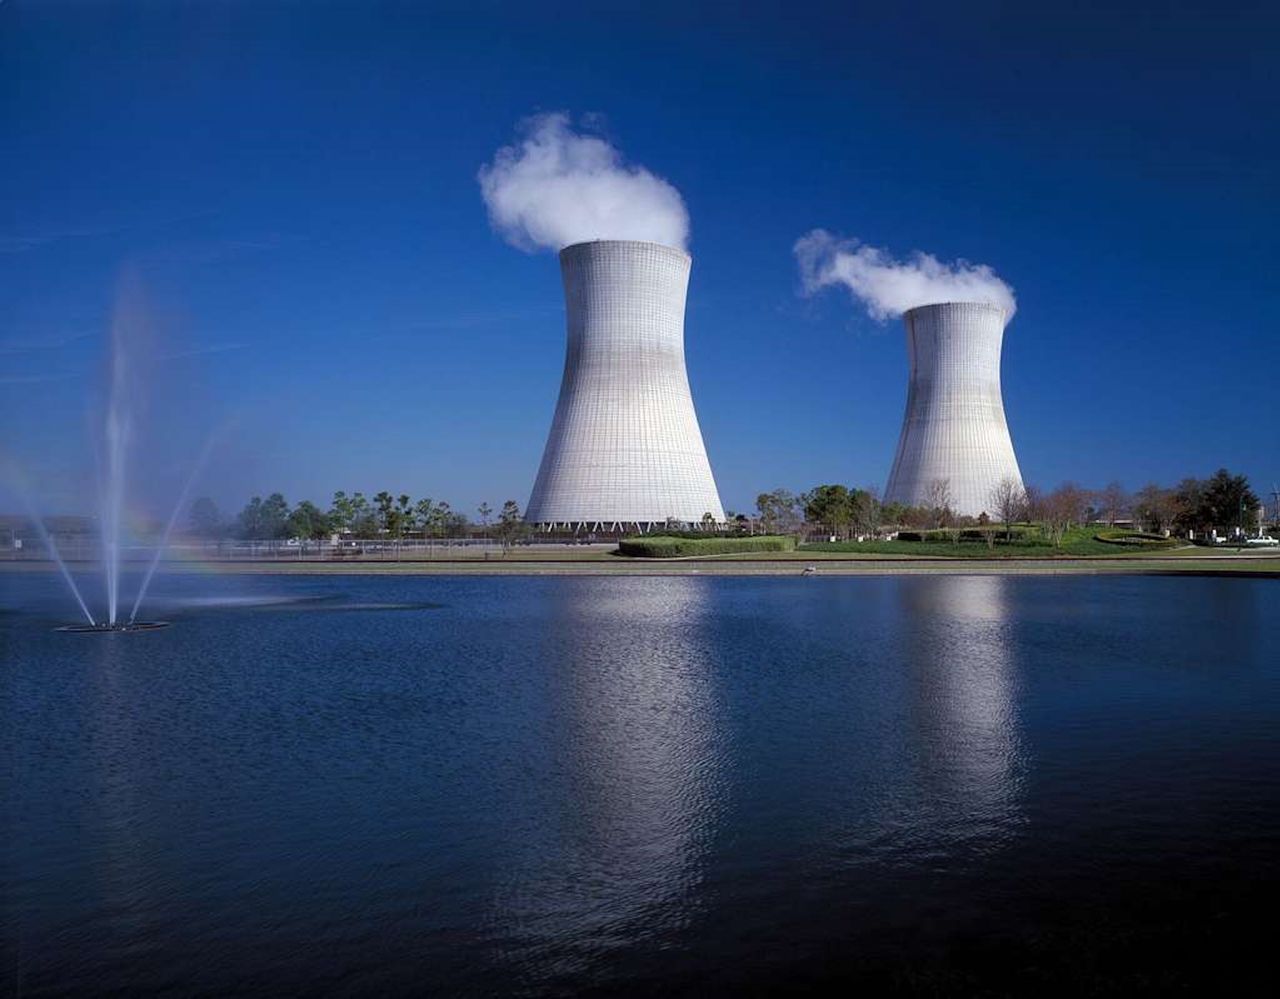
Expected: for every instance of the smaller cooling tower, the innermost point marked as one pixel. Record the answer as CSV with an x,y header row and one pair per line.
x,y
625,448
954,430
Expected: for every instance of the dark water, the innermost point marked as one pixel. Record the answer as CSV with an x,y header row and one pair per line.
x,y
949,785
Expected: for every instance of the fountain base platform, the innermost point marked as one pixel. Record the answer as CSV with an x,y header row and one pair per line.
x,y
113,629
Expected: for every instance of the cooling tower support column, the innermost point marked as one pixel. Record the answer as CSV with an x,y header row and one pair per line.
x,y
625,445
954,431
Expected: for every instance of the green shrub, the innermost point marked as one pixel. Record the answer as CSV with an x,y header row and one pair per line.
x,y
1116,536
981,534
665,546
692,534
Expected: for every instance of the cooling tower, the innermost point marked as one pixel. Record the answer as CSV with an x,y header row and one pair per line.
x,y
625,449
954,430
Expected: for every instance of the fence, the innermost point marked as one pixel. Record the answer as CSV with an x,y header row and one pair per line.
x,y
88,549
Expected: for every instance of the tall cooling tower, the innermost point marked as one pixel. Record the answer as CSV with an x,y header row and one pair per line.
x,y
954,430
625,448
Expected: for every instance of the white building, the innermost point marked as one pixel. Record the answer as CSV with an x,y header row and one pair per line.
x,y
954,436
625,449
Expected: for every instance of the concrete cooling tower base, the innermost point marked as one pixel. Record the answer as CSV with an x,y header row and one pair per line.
x,y
955,441
625,449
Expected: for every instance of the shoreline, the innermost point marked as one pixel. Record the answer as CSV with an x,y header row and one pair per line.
x,y
1247,566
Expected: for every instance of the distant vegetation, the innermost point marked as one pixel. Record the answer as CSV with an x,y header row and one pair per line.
x,y
662,546
355,516
1015,516
1068,519
1028,541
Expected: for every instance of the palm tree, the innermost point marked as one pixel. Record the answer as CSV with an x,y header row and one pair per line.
x,y
404,514
424,510
386,511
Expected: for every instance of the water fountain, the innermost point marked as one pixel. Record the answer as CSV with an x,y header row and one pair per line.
x,y
118,426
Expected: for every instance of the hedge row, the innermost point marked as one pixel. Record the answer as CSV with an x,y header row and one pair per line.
x,y
966,534
1135,538
693,533
669,547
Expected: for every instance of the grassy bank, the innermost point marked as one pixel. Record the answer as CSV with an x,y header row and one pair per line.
x,y
1026,543
661,546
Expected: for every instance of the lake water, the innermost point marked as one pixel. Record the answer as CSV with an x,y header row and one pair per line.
x,y
403,785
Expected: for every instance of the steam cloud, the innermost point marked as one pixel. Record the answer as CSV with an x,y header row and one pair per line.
x,y
555,187
889,287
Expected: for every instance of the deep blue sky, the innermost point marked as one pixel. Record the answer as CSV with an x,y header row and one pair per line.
x,y
294,188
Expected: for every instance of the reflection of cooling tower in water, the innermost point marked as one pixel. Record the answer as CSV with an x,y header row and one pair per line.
x,y
625,447
636,725
964,671
954,434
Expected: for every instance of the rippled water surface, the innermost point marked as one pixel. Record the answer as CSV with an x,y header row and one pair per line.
x,y
412,785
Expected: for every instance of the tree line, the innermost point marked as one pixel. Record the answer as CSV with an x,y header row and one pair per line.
x,y
355,515
1223,501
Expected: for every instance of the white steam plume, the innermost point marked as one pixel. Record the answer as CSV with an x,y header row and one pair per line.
x,y
556,186
889,287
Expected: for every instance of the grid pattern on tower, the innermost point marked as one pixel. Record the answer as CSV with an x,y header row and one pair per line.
x,y
625,445
955,427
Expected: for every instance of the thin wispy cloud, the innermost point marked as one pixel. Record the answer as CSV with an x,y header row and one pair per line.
x,y
34,240
40,379
30,345
135,220
213,348
197,251
481,319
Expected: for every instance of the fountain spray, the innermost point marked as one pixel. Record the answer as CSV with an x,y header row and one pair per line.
x,y
118,427
168,529
52,549
13,475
